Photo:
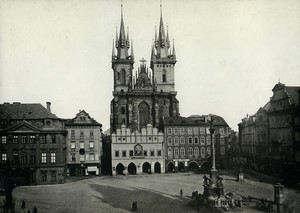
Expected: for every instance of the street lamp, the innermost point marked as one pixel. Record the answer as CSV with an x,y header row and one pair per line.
x,y
213,171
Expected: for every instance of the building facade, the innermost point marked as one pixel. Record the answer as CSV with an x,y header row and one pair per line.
x,y
84,145
140,101
33,144
274,141
138,151
188,142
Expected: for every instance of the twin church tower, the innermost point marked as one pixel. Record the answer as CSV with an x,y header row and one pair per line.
x,y
143,96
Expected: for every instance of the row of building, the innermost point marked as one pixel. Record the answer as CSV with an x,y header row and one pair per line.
x,y
270,138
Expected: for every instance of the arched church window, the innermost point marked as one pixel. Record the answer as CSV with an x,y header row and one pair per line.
x,y
118,76
123,77
144,114
122,110
164,76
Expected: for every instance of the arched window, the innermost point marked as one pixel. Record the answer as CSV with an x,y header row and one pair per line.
x,y
176,141
170,152
164,76
203,152
122,110
182,151
182,141
169,141
190,151
176,151
196,151
123,77
144,114
202,141
196,140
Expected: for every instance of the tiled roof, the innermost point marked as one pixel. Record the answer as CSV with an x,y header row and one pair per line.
x,y
24,111
194,120
90,122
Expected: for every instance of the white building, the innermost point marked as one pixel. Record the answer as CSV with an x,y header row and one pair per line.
x,y
137,152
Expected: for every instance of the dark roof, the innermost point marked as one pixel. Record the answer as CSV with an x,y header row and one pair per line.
x,y
91,122
24,111
194,120
293,93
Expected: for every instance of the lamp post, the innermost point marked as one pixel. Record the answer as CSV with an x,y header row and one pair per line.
x,y
213,171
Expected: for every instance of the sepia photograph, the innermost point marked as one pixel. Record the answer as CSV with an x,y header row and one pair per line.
x,y
163,106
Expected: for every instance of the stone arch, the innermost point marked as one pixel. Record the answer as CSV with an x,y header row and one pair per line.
x,y
157,168
205,166
181,167
193,166
171,167
147,168
131,168
120,169
144,114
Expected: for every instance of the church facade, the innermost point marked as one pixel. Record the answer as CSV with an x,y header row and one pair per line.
x,y
141,99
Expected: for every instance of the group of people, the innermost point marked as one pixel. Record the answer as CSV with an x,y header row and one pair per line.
x,y
23,206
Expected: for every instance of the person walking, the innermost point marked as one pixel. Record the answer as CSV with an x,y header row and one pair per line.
x,y
181,192
23,205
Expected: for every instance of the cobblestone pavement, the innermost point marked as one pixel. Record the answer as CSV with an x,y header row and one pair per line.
x,y
153,193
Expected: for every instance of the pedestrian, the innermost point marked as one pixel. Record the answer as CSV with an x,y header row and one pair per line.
x,y
34,210
28,211
23,204
181,192
134,206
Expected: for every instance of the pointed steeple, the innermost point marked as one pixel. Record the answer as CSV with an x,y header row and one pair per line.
x,y
155,37
117,37
152,52
167,40
161,34
173,52
127,39
131,54
122,42
113,50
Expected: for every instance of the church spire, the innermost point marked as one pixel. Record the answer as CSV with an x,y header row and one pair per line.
x,y
131,54
113,50
123,43
173,52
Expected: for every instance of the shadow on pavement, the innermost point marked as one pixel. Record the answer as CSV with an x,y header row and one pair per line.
x,y
147,200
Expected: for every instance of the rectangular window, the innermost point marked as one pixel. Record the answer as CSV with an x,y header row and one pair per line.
x,y
81,157
73,157
4,157
72,133
91,133
91,144
151,152
176,141
32,158
53,139
16,158
92,156
81,145
181,131
124,153
159,152
145,152
131,153
3,139
190,140
24,139
73,145
202,130
196,140
190,131
44,157
53,157
117,153
195,130
182,140
43,139
32,139
81,134
175,131
169,131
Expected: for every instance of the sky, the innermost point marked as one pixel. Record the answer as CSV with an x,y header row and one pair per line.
x,y
230,53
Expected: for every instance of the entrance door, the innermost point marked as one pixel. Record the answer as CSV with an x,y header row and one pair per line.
x,y
171,167
157,168
119,169
132,169
181,167
147,168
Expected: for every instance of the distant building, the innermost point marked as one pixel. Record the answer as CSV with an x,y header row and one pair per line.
x,y
270,138
33,144
188,142
84,145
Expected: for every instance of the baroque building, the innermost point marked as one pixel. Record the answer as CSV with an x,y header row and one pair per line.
x,y
33,144
140,101
84,145
188,142
270,138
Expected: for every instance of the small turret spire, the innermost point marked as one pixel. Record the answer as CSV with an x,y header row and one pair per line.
x,y
131,54
167,40
127,39
117,37
173,52
113,49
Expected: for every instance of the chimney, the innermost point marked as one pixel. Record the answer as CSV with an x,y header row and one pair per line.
x,y
48,106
